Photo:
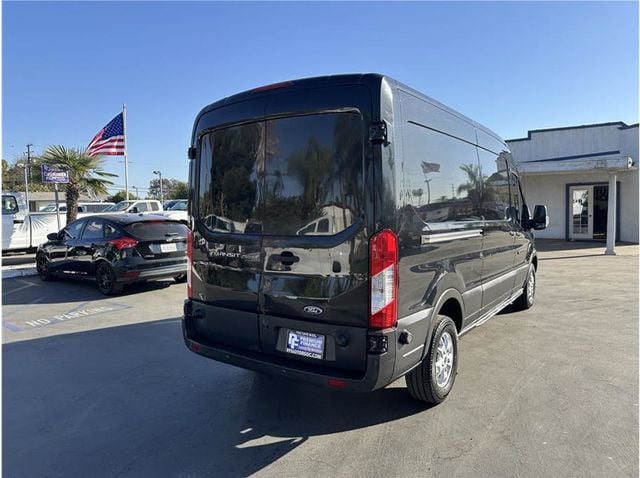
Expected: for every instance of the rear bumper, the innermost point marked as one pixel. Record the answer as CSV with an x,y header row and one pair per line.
x,y
133,274
377,374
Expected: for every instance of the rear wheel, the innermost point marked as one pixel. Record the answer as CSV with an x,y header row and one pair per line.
x,y
106,280
527,298
181,278
42,266
431,381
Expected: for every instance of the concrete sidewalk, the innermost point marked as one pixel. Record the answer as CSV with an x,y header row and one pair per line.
x,y
18,265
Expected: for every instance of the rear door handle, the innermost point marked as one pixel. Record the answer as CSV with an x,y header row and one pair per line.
x,y
287,258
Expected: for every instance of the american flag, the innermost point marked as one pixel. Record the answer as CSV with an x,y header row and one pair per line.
x,y
109,140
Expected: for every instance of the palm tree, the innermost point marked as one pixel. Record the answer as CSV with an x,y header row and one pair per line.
x,y
85,174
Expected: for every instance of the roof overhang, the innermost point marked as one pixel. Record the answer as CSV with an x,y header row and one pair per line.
x,y
609,164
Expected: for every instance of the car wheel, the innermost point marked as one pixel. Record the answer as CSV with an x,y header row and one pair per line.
x,y
181,278
431,381
527,298
106,280
42,266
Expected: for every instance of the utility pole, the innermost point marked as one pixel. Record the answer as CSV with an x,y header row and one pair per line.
x,y
27,174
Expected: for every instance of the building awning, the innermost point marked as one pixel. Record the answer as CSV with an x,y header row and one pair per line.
x,y
609,163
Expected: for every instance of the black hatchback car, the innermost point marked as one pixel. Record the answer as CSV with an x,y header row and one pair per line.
x,y
116,249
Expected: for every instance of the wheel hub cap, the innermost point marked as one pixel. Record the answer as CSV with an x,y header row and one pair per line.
x,y
444,360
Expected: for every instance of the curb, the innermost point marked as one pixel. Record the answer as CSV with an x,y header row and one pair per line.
x,y
13,273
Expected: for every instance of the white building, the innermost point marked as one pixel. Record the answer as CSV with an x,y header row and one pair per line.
x,y
572,171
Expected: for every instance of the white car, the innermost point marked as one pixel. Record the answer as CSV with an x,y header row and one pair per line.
x,y
178,211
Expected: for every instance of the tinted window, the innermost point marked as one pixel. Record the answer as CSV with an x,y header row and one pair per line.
x,y
518,208
494,180
313,170
93,229
323,225
154,207
9,205
156,230
231,160
110,231
73,229
280,176
442,177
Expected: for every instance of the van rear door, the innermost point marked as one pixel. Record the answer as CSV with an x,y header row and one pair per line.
x,y
279,223
315,244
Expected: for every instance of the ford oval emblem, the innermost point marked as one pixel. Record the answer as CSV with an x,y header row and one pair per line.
x,y
313,309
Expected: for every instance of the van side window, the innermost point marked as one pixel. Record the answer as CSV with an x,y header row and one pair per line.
x,y
442,177
154,206
9,205
494,185
517,203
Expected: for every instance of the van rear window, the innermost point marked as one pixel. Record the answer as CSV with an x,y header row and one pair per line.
x,y
298,175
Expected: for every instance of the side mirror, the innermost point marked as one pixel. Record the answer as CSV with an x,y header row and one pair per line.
x,y
540,218
53,236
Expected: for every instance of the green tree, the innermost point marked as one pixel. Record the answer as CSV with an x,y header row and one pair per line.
x,y
121,196
85,174
13,177
171,188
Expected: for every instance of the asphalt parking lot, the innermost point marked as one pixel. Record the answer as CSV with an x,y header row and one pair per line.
x,y
96,386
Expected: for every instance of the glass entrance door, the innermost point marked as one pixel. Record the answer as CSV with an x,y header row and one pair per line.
x,y
581,212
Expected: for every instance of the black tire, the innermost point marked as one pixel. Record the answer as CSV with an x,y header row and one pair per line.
x,y
527,298
181,278
423,383
106,280
42,266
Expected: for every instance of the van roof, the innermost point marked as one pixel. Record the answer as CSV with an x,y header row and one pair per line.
x,y
373,80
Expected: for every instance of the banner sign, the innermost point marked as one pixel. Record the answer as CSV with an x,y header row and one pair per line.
x,y
53,175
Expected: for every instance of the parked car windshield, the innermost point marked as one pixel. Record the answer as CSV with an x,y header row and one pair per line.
x,y
179,206
121,206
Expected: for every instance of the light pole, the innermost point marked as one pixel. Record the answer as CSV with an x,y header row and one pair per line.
x,y
161,191
25,166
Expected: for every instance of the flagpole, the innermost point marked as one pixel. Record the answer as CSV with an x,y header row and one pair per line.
x,y
126,164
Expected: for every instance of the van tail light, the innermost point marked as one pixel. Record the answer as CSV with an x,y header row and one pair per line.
x,y
383,274
189,259
123,243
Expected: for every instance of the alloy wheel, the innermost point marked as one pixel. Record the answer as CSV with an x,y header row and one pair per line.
x,y
444,360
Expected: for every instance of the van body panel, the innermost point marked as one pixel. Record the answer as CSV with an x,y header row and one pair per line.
x,y
297,262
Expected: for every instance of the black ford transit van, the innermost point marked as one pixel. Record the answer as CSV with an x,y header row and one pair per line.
x,y
346,230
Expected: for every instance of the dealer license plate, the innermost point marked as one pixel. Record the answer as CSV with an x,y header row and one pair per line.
x,y
170,247
305,344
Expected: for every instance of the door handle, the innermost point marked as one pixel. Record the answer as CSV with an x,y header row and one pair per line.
x,y
287,258
18,221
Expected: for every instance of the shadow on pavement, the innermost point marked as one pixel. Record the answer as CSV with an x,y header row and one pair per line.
x,y
67,290
133,401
